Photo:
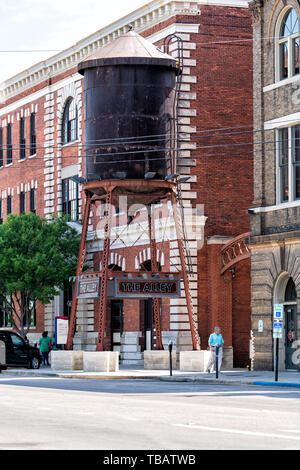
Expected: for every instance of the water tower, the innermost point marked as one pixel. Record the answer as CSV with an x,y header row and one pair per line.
x,y
130,150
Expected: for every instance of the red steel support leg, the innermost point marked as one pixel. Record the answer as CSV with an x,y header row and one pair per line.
x,y
195,337
80,263
105,263
154,268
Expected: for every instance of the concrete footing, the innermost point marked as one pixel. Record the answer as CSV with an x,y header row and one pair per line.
x,y
194,360
67,360
101,361
198,360
159,360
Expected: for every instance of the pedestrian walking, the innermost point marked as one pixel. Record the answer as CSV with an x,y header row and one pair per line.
x,y
45,347
215,339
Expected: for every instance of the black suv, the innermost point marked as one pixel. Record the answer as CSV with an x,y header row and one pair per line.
x,y
19,353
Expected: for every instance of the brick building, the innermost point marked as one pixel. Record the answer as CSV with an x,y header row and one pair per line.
x,y
275,227
42,122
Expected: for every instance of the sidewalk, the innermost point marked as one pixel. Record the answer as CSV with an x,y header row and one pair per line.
x,y
233,377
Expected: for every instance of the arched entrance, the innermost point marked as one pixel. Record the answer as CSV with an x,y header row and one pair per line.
x,y
285,293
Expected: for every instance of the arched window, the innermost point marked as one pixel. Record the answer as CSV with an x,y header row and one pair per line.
x,y
288,45
69,122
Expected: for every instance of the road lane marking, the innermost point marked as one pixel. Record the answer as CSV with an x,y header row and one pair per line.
x,y
238,431
297,431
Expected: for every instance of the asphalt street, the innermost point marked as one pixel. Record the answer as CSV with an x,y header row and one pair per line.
x,y
74,414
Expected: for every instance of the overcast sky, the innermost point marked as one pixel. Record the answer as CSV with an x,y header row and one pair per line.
x,y
51,24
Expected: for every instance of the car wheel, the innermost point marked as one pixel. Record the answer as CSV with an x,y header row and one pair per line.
x,y
34,363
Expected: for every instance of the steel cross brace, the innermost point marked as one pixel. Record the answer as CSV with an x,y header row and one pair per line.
x,y
80,263
154,268
105,263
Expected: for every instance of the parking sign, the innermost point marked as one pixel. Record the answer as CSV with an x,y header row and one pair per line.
x,y
278,312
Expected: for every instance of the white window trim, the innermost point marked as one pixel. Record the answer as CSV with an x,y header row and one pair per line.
x,y
291,171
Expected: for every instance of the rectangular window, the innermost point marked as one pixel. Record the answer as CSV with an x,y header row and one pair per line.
x,y
22,139
9,205
9,144
70,198
283,146
22,203
33,201
295,56
31,315
288,158
1,147
296,160
32,135
5,316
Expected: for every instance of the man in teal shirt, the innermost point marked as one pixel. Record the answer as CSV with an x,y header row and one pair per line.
x,y
215,339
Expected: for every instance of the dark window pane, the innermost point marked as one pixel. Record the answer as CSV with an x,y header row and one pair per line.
x,y
284,178
33,201
9,205
69,122
297,181
70,198
22,202
22,139
284,57
284,146
296,56
32,134
9,144
296,143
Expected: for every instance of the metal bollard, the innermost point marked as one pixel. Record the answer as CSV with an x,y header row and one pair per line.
x,y
170,354
217,362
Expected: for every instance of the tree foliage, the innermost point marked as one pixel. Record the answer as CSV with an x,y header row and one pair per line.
x,y
37,258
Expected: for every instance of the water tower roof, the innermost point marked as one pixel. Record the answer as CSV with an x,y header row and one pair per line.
x,y
128,49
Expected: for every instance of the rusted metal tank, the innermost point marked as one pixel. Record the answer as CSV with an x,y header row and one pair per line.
x,y
129,88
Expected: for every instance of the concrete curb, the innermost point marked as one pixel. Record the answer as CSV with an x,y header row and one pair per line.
x,y
166,378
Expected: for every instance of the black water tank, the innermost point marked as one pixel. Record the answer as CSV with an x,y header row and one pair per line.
x,y
129,92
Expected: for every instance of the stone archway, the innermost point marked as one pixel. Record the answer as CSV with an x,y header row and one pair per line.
x,y
285,293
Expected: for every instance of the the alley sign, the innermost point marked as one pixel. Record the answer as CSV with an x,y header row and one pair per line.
x,y
141,288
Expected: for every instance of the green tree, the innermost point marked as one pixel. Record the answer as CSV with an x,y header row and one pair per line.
x,y
37,258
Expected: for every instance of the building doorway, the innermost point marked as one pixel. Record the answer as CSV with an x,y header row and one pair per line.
x,y
290,312
116,309
148,323
116,318
146,309
285,294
